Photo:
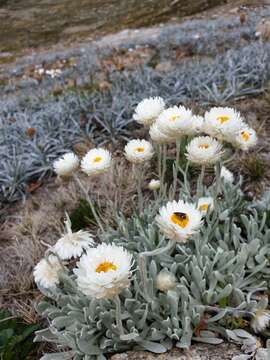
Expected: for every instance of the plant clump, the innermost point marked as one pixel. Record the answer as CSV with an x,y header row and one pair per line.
x,y
189,264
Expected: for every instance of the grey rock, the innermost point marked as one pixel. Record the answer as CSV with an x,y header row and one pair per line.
x,y
223,351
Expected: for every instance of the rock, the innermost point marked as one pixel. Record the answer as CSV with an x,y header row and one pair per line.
x,y
223,351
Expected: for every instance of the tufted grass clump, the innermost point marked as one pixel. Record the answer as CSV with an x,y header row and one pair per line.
x,y
255,167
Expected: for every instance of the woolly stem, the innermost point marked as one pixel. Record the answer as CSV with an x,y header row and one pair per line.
x,y
164,164
175,175
143,273
184,174
88,199
138,173
200,182
170,244
118,314
218,177
159,158
142,264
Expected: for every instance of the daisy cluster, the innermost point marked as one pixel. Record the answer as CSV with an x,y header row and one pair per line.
x,y
218,125
95,162
161,276
102,272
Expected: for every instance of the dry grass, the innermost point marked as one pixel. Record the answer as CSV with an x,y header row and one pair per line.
x,y
253,164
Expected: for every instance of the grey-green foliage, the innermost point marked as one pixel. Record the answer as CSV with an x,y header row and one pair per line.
x,y
220,272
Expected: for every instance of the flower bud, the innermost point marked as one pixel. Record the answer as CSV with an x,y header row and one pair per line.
x,y
165,280
154,185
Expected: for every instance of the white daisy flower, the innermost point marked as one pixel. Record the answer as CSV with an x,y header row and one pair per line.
x,y
148,110
222,123
46,272
96,162
179,220
205,205
138,151
154,185
40,71
159,137
226,175
175,122
53,73
66,164
104,271
72,244
261,320
204,150
165,280
245,138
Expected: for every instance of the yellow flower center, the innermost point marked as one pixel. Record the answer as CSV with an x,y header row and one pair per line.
x,y
97,159
245,135
174,117
204,207
105,267
204,146
223,119
139,149
180,219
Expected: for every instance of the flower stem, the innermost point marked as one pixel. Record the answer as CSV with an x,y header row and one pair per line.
x,y
170,244
142,264
177,165
164,164
143,273
200,182
159,157
218,177
118,315
88,199
138,173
